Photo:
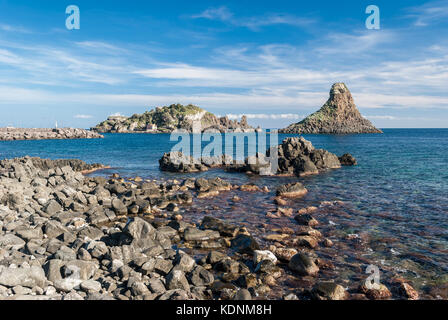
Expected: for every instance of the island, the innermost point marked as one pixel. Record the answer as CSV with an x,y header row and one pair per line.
x,y
166,119
339,115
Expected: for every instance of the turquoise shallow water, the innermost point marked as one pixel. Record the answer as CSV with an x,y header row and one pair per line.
x,y
398,192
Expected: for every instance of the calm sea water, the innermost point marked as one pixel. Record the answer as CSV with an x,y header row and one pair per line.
x,y
396,199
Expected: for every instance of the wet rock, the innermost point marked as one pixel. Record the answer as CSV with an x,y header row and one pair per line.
x,y
193,234
329,291
306,241
290,296
347,160
378,292
306,220
242,294
285,254
245,244
292,190
303,264
225,229
407,291
260,255
247,280
215,256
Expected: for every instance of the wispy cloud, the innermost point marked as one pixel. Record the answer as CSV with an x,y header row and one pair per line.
x,y
282,116
83,116
253,23
16,29
429,13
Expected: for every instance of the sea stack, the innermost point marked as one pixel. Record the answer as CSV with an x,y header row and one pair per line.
x,y
339,115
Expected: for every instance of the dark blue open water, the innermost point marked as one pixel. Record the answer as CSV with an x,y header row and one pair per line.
x,y
396,198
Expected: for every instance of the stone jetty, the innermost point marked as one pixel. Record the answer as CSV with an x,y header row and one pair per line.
x,y
9,134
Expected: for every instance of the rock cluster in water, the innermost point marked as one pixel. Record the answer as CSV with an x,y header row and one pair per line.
x,y
338,115
7,134
296,156
169,118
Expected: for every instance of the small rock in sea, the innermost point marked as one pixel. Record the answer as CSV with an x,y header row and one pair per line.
x,y
407,291
250,188
287,212
242,294
280,201
328,291
347,160
236,199
260,255
379,293
306,241
308,210
245,244
276,237
290,296
327,243
292,190
271,215
285,254
303,264
306,220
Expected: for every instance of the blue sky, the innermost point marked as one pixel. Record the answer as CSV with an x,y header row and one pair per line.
x,y
273,60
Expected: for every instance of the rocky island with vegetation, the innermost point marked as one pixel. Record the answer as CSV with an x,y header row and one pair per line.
x,y
339,115
168,118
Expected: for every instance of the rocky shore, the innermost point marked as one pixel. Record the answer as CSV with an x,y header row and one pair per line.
x,y
70,237
296,156
9,134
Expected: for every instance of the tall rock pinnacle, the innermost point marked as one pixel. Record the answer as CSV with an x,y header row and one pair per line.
x,y
338,115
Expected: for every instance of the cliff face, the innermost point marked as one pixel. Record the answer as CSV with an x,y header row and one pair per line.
x,y
338,115
168,118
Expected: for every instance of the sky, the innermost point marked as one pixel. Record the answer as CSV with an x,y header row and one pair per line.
x,y
274,61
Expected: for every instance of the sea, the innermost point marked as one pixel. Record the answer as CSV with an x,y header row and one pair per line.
x,y
390,210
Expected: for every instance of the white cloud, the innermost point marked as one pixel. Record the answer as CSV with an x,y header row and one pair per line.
x,y
253,23
381,117
265,116
83,116
16,29
429,13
